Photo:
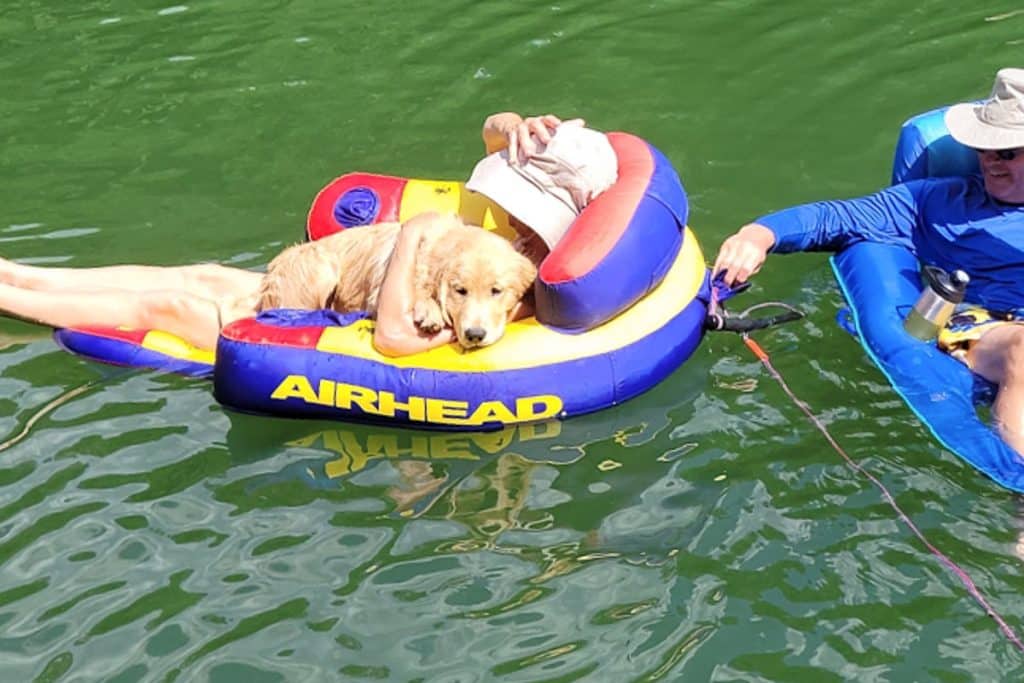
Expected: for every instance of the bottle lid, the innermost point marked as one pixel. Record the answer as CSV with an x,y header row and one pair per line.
x,y
950,287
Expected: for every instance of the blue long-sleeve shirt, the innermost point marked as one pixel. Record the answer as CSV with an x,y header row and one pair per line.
x,y
948,222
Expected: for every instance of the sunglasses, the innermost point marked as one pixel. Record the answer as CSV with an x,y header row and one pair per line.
x,y
1003,154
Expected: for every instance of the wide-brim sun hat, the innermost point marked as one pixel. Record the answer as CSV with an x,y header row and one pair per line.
x,y
548,190
996,123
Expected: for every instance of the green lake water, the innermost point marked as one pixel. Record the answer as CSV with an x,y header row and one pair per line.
x,y
704,531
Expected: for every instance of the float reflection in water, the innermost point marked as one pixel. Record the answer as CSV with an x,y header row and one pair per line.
x,y
583,478
325,455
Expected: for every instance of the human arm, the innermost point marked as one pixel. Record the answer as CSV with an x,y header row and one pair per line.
x,y
520,136
888,216
395,333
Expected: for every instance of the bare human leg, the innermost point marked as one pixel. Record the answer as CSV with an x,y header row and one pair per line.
x,y
207,280
998,356
191,317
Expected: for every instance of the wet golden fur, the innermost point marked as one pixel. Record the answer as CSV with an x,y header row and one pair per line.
x,y
465,277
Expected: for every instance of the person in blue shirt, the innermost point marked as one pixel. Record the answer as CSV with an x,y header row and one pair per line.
x,y
974,223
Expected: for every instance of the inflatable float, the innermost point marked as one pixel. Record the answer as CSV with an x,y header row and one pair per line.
x,y
621,303
154,349
881,282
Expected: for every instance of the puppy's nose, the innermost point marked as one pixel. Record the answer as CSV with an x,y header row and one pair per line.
x,y
475,334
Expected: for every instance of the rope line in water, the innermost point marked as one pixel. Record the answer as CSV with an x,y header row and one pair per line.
x,y
964,577
46,409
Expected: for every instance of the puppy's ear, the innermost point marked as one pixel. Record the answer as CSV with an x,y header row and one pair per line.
x,y
442,300
525,274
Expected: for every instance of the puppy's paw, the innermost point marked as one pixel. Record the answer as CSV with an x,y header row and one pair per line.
x,y
427,315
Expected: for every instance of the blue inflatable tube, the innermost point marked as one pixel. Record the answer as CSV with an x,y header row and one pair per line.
x,y
881,282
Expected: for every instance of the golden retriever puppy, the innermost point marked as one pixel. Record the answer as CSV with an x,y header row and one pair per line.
x,y
343,271
465,277
470,279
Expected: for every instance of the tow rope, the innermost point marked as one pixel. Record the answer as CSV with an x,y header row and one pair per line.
x,y
742,324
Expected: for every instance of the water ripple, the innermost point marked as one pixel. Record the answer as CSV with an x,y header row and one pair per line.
x,y
703,531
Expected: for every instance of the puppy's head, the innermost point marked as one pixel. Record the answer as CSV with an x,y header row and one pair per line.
x,y
480,286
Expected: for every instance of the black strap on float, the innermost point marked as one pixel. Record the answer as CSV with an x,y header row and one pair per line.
x,y
720,320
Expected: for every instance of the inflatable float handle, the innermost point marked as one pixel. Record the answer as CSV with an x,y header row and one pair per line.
x,y
726,323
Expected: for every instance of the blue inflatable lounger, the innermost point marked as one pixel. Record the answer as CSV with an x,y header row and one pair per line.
x,y
881,283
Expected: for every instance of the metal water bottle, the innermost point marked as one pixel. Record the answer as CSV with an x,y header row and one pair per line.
x,y
942,292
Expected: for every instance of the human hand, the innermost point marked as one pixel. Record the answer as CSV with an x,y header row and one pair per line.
x,y
497,129
533,131
520,136
742,254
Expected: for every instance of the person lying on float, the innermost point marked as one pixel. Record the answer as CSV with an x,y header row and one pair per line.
x,y
556,170
973,223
